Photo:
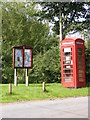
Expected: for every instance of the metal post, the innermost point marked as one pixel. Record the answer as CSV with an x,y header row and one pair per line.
x,y
27,77
15,77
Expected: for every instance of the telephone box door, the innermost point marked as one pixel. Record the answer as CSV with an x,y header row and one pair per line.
x,y
80,66
67,67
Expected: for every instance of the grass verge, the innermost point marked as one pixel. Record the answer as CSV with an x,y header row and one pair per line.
x,y
34,92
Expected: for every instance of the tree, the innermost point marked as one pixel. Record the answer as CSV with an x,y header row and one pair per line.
x,y
20,27
68,16
46,67
87,60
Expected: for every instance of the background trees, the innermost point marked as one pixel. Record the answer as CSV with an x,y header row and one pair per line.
x,y
71,16
68,17
22,25
87,60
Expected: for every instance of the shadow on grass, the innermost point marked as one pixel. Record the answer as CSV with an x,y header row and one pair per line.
x,y
40,84
46,91
10,94
48,85
88,84
73,88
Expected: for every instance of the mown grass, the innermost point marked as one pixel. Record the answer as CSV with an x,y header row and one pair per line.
x,y
34,92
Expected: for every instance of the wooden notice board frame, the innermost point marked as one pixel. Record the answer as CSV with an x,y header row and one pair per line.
x,y
23,48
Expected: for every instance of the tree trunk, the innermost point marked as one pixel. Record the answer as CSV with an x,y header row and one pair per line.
x,y
60,21
60,29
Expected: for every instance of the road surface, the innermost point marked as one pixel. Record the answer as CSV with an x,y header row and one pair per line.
x,y
57,108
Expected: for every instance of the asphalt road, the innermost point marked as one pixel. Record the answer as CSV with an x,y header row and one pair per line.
x,y
57,108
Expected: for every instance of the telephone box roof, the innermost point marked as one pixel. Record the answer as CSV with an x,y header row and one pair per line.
x,y
72,39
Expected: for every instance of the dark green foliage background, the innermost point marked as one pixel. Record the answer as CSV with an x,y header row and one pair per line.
x,y
20,26
87,60
17,30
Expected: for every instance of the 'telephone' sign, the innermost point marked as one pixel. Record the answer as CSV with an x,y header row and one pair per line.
x,y
67,43
79,43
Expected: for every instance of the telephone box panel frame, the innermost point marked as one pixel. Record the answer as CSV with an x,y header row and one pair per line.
x,y
80,46
74,44
70,83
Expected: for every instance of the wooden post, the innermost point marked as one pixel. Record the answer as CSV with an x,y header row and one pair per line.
x,y
10,88
15,77
43,86
27,77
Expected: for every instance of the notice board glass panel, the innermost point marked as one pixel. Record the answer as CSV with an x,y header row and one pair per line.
x,y
27,58
18,58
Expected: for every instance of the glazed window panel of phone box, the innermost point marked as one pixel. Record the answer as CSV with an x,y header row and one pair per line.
x,y
80,64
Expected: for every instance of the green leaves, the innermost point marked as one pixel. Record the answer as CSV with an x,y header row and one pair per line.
x,y
47,66
21,27
71,15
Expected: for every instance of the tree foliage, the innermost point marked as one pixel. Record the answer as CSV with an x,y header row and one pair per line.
x,y
21,27
74,15
46,66
87,60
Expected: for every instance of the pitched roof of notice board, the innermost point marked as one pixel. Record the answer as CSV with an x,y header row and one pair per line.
x,y
22,46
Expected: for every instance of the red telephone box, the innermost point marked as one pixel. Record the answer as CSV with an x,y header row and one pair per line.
x,y
73,62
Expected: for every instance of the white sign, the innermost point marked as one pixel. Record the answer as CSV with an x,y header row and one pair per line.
x,y
80,43
71,62
67,49
67,66
67,43
67,57
68,79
